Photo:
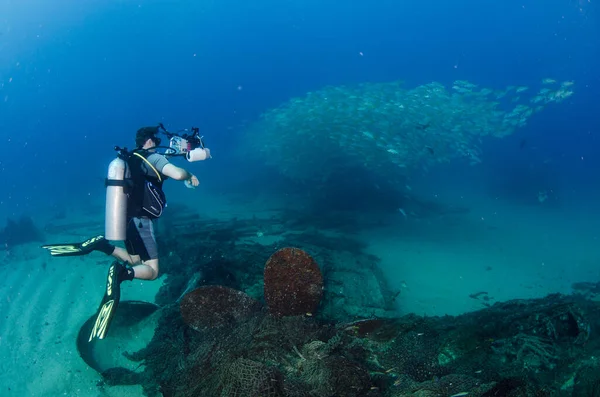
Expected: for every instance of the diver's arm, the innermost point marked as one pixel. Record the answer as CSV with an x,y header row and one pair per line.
x,y
177,173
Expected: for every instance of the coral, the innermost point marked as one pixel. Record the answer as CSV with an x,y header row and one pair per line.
x,y
216,306
293,283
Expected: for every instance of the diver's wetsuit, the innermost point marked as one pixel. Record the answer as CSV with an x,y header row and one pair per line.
x,y
139,238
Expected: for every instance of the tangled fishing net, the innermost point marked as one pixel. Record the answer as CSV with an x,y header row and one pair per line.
x,y
220,342
216,306
293,283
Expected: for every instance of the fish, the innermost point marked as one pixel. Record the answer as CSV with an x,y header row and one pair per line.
x,y
423,126
523,143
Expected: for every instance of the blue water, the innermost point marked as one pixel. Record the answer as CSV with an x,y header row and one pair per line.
x,y
80,78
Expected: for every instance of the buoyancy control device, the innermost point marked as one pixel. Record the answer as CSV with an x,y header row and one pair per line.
x,y
120,183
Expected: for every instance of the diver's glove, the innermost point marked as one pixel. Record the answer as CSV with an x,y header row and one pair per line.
x,y
192,182
188,184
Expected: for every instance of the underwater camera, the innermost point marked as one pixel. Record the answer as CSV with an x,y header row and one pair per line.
x,y
186,144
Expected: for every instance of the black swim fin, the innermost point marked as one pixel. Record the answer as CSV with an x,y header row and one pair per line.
x,y
109,303
76,249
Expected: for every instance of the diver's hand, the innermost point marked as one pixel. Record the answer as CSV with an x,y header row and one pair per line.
x,y
193,181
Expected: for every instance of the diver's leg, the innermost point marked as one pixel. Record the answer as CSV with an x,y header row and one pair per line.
x,y
148,270
141,244
124,256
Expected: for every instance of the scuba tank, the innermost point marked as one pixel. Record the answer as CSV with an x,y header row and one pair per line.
x,y
115,222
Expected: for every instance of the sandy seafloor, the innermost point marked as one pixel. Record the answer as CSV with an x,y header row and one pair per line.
x,y
507,250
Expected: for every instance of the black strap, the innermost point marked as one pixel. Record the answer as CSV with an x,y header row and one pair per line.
x,y
116,182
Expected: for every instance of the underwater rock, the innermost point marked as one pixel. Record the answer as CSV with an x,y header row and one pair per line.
x,y
293,283
588,290
121,376
19,232
356,289
216,306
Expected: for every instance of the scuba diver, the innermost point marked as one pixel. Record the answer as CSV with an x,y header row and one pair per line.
x,y
134,198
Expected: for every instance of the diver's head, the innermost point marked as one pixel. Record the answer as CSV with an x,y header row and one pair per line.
x,y
146,138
